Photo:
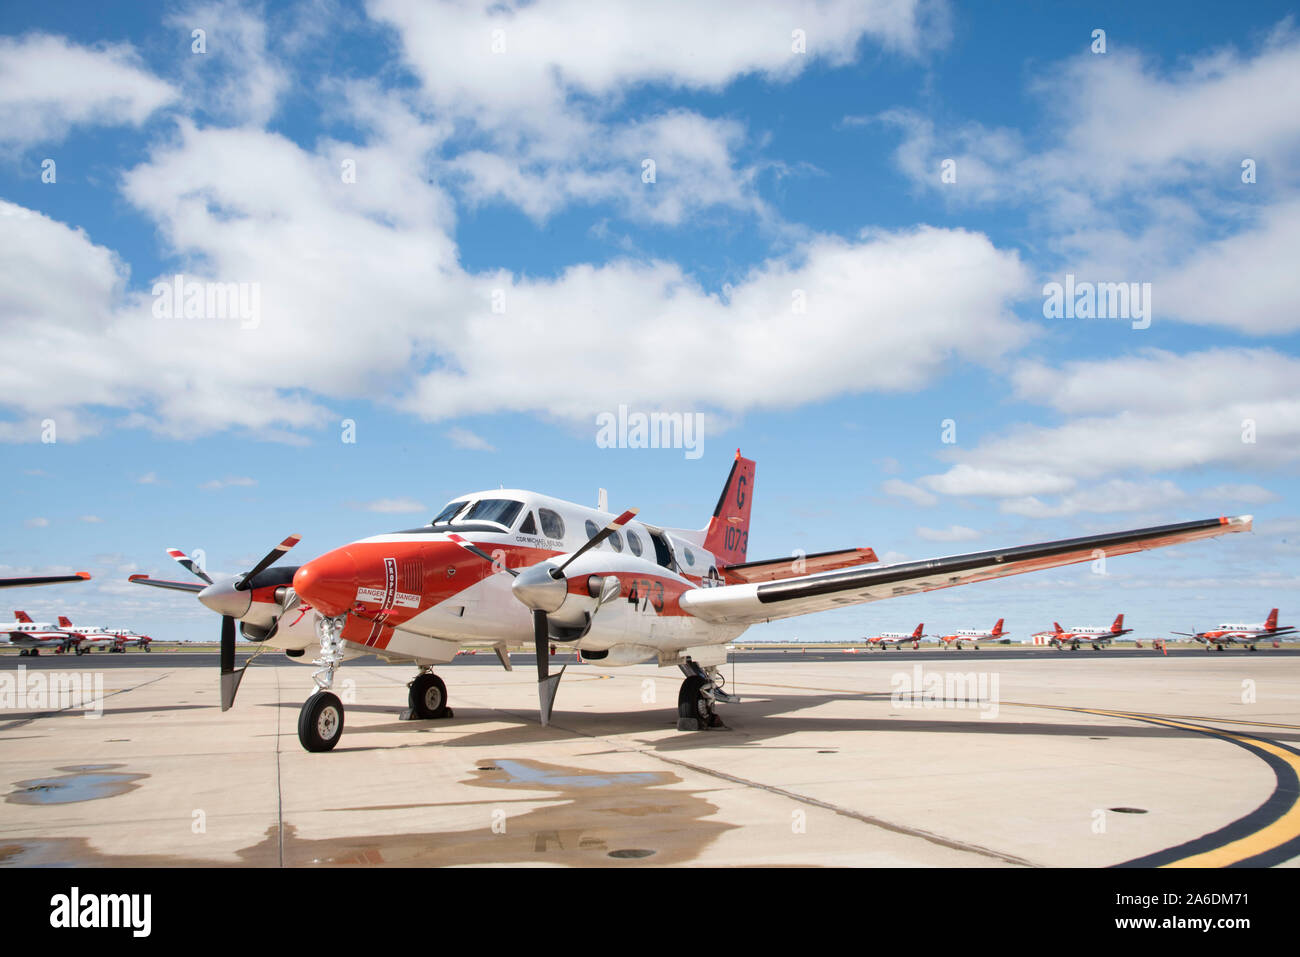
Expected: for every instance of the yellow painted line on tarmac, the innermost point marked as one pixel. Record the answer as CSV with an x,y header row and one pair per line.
x,y
1281,830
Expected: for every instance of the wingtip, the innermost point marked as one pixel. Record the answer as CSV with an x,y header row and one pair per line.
x,y
84,576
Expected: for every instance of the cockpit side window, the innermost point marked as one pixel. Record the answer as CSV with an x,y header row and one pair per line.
x,y
502,511
529,526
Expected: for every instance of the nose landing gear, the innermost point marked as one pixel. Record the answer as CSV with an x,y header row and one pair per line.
x,y
320,722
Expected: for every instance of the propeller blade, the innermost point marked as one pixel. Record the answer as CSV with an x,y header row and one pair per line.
x,y
270,559
542,644
600,536
475,550
230,677
547,683
188,564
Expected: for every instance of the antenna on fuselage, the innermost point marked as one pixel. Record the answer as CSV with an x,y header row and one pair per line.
x,y
602,500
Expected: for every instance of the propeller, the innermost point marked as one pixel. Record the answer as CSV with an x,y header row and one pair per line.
x,y
543,589
189,564
221,597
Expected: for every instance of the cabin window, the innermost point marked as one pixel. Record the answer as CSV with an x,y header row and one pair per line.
x,y
552,524
634,543
617,541
592,529
690,557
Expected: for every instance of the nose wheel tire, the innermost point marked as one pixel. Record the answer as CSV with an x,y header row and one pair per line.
x,y
320,723
428,697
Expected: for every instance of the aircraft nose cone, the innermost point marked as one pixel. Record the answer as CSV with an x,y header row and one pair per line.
x,y
328,583
223,598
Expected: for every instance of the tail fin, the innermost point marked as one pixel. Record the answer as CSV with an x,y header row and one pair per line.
x,y
1271,623
1118,624
1057,626
727,536
917,633
23,617
64,622
997,629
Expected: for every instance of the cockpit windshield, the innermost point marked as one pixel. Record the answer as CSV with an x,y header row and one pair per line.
x,y
448,513
502,511
498,511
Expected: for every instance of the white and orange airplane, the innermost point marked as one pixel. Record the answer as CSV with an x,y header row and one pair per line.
x,y
974,636
127,638
509,565
86,638
896,639
1237,634
33,637
1098,637
110,639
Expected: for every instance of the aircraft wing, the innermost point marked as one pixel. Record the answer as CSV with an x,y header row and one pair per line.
x,y
750,603
43,580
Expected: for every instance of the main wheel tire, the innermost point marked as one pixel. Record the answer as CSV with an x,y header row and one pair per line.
x,y
693,712
428,697
320,722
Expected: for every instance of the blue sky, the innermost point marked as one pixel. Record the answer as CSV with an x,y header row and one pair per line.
x,y
780,176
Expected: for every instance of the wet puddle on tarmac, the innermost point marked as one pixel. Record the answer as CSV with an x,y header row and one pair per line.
x,y
532,812
83,782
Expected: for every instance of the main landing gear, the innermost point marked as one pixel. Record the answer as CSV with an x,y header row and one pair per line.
x,y
699,694
320,722
428,697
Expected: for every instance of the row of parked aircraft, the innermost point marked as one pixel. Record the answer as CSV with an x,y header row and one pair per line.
x,y
33,637
1098,637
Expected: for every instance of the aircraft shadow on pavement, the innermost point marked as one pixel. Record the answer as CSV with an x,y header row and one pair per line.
x,y
756,720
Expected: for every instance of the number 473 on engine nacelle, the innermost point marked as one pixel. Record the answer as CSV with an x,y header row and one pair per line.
x,y
511,566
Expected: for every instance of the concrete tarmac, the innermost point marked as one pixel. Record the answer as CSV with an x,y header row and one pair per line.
x,y
888,758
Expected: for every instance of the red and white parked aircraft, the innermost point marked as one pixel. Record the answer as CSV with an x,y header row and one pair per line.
x,y
33,637
126,638
86,638
1236,634
1098,637
896,639
974,636
510,565
112,639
